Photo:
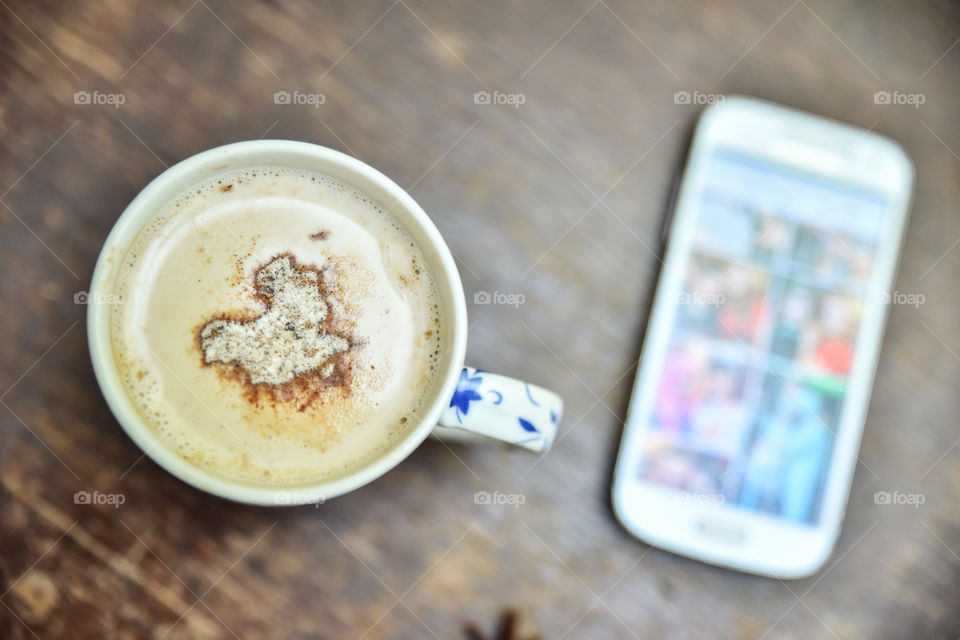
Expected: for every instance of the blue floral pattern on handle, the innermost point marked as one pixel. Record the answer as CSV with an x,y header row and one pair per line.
x,y
466,393
527,426
504,408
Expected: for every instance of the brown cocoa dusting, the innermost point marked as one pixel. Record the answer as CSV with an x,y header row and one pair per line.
x,y
304,390
239,276
226,187
320,235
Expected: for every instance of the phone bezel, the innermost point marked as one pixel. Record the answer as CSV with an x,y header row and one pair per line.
x,y
723,534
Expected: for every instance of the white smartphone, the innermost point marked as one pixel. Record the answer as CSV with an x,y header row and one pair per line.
x,y
744,426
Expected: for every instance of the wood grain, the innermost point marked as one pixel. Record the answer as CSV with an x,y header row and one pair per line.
x,y
561,200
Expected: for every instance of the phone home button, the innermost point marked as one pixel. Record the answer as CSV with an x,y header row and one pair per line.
x,y
720,530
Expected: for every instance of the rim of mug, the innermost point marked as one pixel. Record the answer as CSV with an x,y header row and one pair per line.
x,y
299,155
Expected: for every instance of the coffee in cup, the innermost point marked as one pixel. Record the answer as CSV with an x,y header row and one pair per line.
x,y
278,326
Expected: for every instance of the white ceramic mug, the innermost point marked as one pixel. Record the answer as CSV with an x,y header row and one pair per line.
x,y
465,401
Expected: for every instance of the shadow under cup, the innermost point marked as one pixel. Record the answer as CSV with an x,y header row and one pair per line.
x,y
296,155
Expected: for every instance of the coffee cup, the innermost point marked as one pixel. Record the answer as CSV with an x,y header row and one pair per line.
x,y
461,403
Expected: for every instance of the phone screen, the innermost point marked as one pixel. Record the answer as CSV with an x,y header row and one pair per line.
x,y
761,346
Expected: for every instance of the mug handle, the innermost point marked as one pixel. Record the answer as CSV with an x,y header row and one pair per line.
x,y
503,408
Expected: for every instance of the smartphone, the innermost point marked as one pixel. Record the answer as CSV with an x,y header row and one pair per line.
x,y
744,424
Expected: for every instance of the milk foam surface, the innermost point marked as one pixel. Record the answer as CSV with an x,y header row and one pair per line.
x,y
196,265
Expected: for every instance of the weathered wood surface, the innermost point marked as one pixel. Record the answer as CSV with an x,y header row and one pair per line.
x,y
561,200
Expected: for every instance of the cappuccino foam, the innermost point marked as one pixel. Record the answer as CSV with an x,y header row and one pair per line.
x,y
285,341
278,326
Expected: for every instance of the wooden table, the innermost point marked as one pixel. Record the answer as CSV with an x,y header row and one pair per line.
x,y
560,199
